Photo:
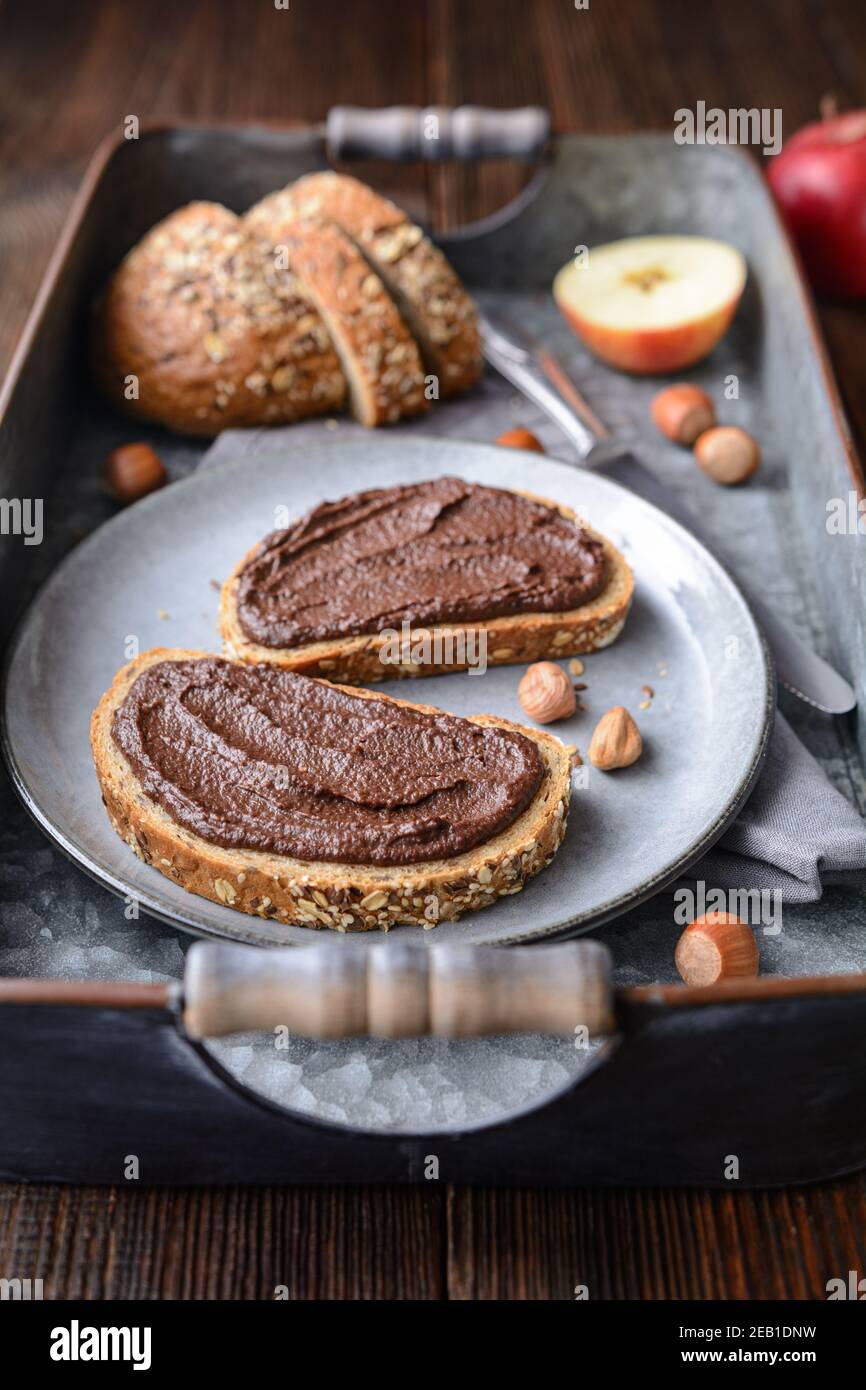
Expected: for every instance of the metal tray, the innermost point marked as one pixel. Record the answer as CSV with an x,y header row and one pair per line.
x,y
54,434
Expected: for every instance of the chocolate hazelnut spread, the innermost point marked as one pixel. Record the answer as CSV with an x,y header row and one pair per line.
x,y
438,551
252,757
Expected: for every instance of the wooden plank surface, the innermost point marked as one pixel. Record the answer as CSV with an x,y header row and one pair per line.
x,y
431,1243
224,1243
68,76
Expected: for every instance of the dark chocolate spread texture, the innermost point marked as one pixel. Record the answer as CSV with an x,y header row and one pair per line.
x,y
439,551
251,757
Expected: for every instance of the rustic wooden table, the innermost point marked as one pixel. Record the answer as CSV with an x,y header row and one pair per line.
x,y
68,76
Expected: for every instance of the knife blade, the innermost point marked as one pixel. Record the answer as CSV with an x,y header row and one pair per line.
x,y
539,377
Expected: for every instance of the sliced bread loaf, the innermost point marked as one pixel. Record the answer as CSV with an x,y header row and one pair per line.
x,y
379,356
424,287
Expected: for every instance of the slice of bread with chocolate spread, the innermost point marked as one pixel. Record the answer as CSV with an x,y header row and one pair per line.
x,y
423,579
310,803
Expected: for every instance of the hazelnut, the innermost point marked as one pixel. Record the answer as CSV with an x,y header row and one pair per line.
x,y
683,412
520,439
616,741
546,693
727,454
132,471
716,946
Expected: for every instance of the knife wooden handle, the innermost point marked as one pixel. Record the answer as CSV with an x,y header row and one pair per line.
x,y
436,132
395,990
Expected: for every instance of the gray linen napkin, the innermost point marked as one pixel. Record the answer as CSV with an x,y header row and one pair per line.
x,y
795,832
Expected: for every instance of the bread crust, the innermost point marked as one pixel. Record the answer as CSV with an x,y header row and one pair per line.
x,y
428,293
217,334
342,897
379,356
517,638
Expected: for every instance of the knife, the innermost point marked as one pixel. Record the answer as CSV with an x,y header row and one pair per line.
x,y
540,377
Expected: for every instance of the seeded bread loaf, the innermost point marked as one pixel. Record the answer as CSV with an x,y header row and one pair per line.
x,y
344,897
428,293
201,330
203,327
521,637
379,356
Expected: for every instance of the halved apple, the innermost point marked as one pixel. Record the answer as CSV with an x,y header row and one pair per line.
x,y
652,303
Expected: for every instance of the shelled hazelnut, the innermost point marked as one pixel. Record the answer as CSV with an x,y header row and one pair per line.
x,y
616,741
546,693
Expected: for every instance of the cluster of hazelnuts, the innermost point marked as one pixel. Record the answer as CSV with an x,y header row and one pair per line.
x,y
685,414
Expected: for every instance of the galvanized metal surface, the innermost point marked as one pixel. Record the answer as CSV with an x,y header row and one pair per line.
x,y
55,920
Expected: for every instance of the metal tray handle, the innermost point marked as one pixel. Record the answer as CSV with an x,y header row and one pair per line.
x,y
436,132
393,990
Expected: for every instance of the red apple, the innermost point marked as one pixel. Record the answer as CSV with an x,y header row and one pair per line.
x,y
819,181
653,303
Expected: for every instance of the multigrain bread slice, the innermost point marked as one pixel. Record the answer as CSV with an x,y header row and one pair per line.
x,y
517,638
428,293
200,329
378,354
344,897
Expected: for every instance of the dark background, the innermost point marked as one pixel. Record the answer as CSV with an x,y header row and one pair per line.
x,y
69,73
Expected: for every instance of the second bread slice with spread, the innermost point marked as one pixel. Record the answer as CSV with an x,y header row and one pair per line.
x,y
422,579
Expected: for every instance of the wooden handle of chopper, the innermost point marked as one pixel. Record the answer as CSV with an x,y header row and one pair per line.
x,y
394,990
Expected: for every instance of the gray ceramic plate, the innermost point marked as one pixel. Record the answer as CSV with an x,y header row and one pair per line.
x,y
149,575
